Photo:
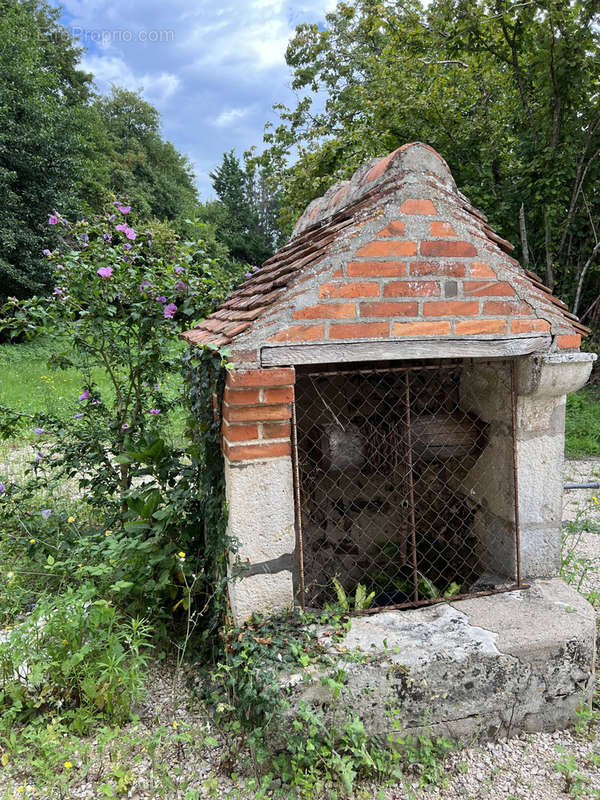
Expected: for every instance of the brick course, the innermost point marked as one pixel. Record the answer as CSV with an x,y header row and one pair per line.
x,y
387,249
448,249
412,289
262,429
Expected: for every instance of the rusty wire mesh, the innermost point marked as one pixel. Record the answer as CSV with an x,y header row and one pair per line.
x,y
406,482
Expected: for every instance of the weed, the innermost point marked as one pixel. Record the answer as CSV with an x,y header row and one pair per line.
x,y
314,749
575,784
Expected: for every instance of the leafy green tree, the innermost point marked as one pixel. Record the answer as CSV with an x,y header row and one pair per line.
x,y
61,147
131,159
42,92
245,215
508,93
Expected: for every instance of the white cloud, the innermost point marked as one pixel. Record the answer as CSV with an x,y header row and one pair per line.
x,y
157,87
230,116
257,44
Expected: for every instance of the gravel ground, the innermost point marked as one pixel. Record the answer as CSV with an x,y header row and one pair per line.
x,y
173,753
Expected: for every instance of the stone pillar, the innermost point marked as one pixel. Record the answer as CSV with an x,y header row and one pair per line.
x,y
486,392
543,383
257,410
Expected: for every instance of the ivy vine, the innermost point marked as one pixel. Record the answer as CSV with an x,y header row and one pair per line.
x,y
204,371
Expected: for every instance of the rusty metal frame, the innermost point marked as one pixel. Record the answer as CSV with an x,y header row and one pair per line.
x,y
334,369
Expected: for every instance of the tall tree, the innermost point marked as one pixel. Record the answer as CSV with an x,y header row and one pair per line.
x,y
245,215
507,92
131,158
42,93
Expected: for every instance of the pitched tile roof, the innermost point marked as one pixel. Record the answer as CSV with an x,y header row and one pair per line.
x,y
396,251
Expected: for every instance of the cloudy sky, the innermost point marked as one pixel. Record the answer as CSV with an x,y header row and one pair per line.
x,y
213,69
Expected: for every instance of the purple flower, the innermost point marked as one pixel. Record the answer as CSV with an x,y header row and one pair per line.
x,y
247,274
154,411
85,237
105,272
130,234
126,246
125,427
2,490
169,311
96,402
52,219
46,252
181,285
39,431
122,227
85,395
46,513
178,269
124,209
79,416
161,298
108,236
255,269
145,285
57,291
112,218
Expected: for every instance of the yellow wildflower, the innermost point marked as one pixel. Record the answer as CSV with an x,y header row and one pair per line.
x,y
175,725
595,499
71,519
67,765
181,554
20,789
32,541
107,533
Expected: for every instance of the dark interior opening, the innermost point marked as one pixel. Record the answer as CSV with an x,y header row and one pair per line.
x,y
392,497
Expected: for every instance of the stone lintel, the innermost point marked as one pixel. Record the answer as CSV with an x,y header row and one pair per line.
x,y
391,349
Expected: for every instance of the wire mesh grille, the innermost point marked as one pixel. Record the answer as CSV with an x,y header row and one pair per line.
x,y
406,482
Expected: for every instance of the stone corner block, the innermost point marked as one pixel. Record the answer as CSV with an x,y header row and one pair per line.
x,y
554,374
261,594
260,499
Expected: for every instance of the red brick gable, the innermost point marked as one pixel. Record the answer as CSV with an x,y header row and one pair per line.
x,y
396,252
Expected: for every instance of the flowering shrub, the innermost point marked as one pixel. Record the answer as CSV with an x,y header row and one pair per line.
x,y
119,302
121,298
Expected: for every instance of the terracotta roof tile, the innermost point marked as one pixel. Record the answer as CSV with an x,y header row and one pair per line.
x,y
335,223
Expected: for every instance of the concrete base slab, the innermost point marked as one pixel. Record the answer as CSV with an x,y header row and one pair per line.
x,y
471,670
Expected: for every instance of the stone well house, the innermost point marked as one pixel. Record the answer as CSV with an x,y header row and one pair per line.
x,y
395,421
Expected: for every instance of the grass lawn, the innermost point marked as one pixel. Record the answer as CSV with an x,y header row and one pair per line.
x,y
583,423
29,385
